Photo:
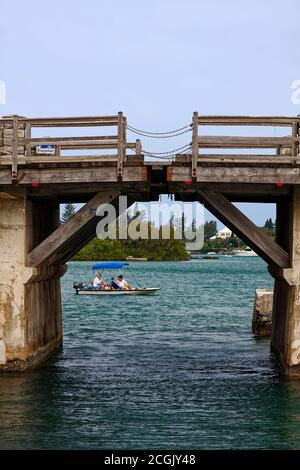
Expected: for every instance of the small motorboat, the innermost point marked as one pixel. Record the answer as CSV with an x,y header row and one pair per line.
x,y
88,289
246,252
210,255
133,258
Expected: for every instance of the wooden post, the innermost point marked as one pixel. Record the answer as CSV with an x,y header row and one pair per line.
x,y
285,340
195,146
28,151
138,147
57,150
14,169
124,138
120,146
294,142
278,150
298,135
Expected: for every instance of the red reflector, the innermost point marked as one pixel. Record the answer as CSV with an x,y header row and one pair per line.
x,y
35,185
279,184
188,182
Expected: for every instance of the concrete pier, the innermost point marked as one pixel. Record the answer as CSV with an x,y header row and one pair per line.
x,y
262,312
285,339
30,301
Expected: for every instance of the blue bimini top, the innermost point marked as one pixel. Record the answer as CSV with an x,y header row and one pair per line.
x,y
110,265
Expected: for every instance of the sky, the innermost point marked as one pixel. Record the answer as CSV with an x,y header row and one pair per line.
x,y
157,61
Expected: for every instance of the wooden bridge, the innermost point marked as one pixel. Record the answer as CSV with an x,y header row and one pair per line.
x,y
87,162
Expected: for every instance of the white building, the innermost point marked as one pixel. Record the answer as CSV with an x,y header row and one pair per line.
x,y
224,233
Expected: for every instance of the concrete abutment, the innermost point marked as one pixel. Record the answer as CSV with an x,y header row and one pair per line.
x,y
30,298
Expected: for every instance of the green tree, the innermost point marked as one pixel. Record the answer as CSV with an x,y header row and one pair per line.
x,y
117,250
69,211
210,229
233,241
269,224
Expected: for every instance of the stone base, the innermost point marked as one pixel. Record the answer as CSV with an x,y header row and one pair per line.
x,y
262,312
289,371
41,355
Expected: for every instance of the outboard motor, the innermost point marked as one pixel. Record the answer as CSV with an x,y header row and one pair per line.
x,y
77,286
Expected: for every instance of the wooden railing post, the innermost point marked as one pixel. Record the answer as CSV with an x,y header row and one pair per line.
x,y
278,150
124,138
120,145
295,133
298,135
138,147
57,150
14,169
28,151
195,146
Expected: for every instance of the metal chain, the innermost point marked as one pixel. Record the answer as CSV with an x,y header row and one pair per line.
x,y
156,136
167,155
170,152
149,154
160,133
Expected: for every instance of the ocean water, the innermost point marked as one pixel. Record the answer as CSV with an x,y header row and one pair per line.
x,y
178,370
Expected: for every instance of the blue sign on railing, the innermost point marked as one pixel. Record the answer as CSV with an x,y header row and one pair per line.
x,y
45,149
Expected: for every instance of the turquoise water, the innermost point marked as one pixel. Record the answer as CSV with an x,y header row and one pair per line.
x,y
180,369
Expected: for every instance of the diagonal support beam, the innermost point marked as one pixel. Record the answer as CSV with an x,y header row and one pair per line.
x,y
244,228
70,237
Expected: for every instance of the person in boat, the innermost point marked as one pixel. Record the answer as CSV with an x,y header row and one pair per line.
x,y
98,283
123,284
113,284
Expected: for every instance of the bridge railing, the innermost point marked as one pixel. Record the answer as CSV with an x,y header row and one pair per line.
x,y
20,144
285,145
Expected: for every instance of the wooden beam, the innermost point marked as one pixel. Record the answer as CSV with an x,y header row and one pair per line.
x,y
82,193
66,240
240,142
58,140
236,192
239,158
72,121
91,173
247,120
86,145
234,172
71,118
64,123
244,228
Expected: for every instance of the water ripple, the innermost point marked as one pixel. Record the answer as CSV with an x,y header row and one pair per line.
x,y
177,370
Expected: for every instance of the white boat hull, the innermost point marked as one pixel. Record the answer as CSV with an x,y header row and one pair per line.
x,y
146,291
245,253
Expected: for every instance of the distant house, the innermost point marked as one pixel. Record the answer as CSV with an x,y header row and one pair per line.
x,y
224,233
